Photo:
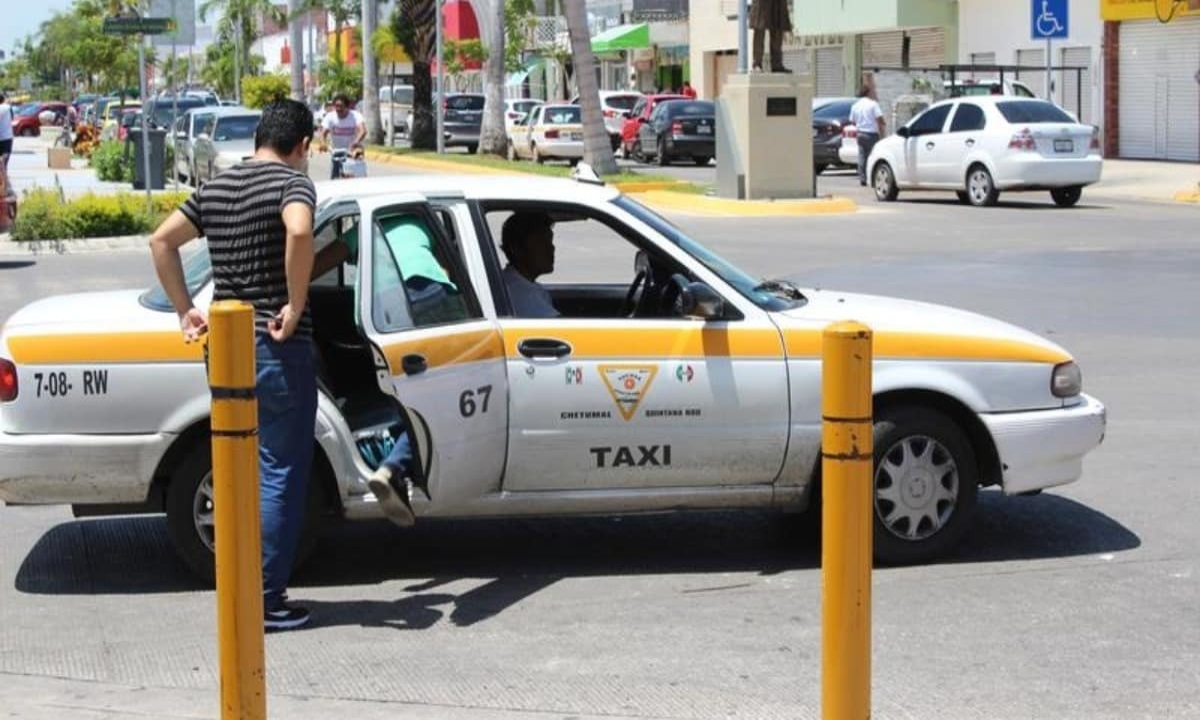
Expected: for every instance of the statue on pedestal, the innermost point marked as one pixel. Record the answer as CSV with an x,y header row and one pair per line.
x,y
770,16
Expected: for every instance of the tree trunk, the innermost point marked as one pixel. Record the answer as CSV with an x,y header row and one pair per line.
x,y
296,42
597,148
422,134
492,138
370,17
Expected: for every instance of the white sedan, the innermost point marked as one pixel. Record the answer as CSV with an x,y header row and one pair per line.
x,y
980,146
548,132
670,381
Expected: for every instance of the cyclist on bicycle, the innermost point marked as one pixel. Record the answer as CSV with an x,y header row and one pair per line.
x,y
344,130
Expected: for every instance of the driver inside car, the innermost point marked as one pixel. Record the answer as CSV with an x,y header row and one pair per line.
x,y
527,239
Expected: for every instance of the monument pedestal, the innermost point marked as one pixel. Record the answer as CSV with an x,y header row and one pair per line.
x,y
764,137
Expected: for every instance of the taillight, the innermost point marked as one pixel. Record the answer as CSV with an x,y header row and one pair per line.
x,y
609,113
551,134
1095,139
1022,141
850,131
8,381
676,128
513,115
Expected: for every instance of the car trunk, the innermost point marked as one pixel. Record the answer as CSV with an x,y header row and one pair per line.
x,y
1062,140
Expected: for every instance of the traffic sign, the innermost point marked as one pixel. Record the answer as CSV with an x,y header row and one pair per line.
x,y
138,25
1048,19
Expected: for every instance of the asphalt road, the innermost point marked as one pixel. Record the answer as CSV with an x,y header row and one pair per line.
x,y
1083,602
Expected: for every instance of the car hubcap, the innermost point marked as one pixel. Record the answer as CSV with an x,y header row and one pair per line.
x,y
980,186
883,183
916,487
202,512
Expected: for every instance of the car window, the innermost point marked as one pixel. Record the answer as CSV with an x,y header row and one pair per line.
x,y
197,269
465,102
1032,111
563,116
1022,91
237,127
969,116
414,282
404,95
525,105
839,110
657,113
930,121
638,108
622,102
698,109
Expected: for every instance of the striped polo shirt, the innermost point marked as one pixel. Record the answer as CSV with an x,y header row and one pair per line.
x,y
240,212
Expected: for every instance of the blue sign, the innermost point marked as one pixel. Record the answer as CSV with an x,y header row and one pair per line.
x,y
1048,19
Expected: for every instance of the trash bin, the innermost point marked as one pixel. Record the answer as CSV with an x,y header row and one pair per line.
x,y
158,158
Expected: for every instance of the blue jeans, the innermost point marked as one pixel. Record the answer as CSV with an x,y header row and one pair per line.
x,y
286,387
866,143
400,457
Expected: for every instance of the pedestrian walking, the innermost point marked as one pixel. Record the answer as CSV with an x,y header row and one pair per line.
x,y
258,219
6,133
867,117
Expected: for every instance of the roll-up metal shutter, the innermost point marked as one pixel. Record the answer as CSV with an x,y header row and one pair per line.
x,y
831,73
1075,87
926,47
1159,98
1035,79
883,50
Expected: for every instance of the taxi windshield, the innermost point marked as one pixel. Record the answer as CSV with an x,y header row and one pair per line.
x,y
767,295
197,269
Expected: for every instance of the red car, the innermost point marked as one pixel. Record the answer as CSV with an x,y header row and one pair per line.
x,y
638,115
26,122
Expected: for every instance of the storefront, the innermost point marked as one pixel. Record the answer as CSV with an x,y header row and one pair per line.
x,y
1153,54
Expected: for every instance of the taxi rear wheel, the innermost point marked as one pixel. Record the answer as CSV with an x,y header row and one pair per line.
x,y
925,485
190,519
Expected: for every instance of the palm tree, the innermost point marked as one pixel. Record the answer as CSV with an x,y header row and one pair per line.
x,y
492,138
597,148
370,15
238,20
413,24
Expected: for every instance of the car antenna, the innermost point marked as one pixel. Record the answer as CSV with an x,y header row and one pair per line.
x,y
584,173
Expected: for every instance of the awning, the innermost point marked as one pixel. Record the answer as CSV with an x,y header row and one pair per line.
x,y
622,37
517,77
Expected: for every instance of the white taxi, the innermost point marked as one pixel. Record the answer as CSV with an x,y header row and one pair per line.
x,y
548,132
670,381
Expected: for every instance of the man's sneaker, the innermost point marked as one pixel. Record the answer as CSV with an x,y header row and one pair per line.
x,y
393,496
285,618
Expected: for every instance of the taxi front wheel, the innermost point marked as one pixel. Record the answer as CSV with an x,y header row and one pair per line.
x,y
190,520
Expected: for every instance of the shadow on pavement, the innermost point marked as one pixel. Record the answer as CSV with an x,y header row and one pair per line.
x,y
132,554
16,264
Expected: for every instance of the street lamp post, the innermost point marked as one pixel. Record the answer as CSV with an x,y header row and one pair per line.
x,y
441,75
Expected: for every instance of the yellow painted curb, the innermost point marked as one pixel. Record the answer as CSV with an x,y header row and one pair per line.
x,y
641,186
433,164
1188,196
705,205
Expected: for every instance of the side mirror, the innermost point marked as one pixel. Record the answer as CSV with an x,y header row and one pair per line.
x,y
698,300
902,131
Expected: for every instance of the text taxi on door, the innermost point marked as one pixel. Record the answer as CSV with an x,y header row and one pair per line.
x,y
669,380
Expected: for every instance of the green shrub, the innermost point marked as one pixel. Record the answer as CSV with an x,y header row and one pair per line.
x,y
44,215
260,91
110,163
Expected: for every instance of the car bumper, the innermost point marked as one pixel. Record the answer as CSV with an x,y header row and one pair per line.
x,y
561,149
1044,448
58,469
1038,173
848,153
825,151
694,146
461,134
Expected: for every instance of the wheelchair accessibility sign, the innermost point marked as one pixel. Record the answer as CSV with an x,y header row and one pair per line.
x,y
1048,19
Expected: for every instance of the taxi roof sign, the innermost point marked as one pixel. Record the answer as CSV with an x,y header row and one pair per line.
x,y
138,25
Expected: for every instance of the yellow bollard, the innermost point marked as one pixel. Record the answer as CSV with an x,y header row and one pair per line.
x,y
846,518
235,499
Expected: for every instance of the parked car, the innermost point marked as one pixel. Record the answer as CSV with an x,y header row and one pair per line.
x,y
973,87
395,102
981,146
164,109
188,127
230,140
678,129
27,122
461,120
517,109
616,106
689,384
830,116
549,132
639,114
110,120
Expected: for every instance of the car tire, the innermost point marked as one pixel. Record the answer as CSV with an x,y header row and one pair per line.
x,y
884,182
190,523
512,152
963,197
701,160
819,168
637,152
662,158
1068,196
537,155
925,485
472,149
981,188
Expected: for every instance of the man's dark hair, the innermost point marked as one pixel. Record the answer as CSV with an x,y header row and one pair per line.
x,y
283,126
517,229
864,91
343,98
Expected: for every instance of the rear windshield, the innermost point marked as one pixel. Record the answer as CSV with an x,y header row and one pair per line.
x,y
403,95
1032,111
240,127
690,108
526,105
465,102
622,102
839,110
565,115
197,269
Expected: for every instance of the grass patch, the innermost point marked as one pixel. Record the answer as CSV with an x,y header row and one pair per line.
x,y
547,170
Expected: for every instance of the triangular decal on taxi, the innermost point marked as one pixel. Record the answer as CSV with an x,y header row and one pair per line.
x,y
628,384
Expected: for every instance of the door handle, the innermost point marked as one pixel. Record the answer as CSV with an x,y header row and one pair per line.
x,y
928,146
970,142
543,348
414,364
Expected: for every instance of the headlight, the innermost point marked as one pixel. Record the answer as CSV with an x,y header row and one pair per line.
x,y
1066,380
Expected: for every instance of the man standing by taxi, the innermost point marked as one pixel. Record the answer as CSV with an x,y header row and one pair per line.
x,y
258,219
342,129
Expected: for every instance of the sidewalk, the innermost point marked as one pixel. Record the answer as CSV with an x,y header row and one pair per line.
x,y
1148,180
29,168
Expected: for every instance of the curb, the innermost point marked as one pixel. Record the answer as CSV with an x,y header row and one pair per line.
x,y
33,248
431,164
642,186
1188,196
712,206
